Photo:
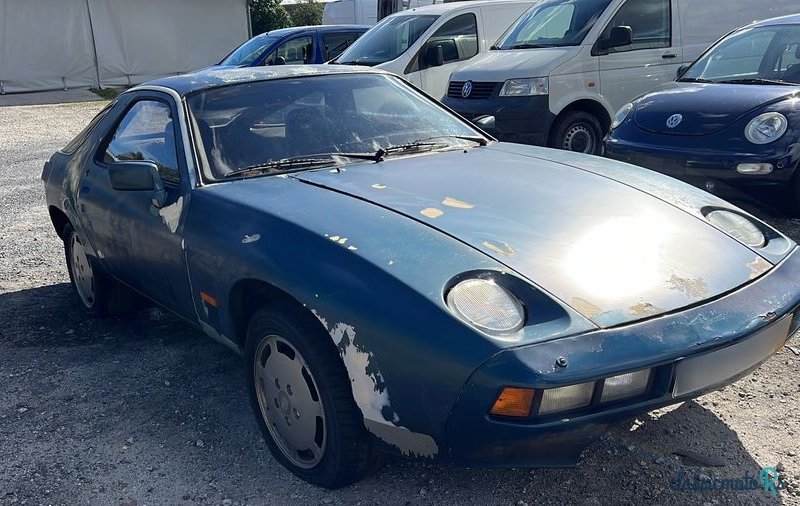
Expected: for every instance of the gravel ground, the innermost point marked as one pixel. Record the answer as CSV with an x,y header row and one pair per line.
x,y
144,410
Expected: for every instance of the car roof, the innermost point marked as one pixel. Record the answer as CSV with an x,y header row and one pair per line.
x,y
186,84
451,6
281,32
792,19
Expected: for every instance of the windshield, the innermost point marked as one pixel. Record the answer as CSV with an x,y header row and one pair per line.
x,y
253,124
553,23
248,53
760,55
386,41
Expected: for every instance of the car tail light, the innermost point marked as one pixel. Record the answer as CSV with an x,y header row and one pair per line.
x,y
625,386
514,402
566,398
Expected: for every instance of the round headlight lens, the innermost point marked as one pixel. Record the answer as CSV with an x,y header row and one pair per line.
x,y
486,305
621,115
766,128
738,227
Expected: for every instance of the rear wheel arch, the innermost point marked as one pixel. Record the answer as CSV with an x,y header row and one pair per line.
x,y
59,219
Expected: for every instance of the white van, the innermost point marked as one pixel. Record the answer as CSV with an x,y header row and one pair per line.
x,y
424,45
350,12
558,75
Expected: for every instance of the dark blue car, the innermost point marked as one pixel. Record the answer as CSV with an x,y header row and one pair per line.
x,y
398,281
295,46
731,122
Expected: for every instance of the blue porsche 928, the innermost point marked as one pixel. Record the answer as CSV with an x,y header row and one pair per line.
x,y
731,122
398,281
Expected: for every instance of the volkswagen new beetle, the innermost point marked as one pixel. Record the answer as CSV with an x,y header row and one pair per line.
x,y
398,281
731,122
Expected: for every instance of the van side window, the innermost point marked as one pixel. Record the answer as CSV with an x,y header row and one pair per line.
x,y
458,39
294,52
335,43
146,133
650,21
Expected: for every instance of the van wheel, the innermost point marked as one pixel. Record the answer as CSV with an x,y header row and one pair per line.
x,y
301,394
578,131
99,294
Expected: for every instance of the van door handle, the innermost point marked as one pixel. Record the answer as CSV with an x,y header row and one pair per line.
x,y
668,56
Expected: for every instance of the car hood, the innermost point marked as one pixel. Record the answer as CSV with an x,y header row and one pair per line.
x,y
706,108
612,252
499,65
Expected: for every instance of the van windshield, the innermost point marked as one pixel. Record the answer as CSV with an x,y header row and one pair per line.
x,y
249,52
386,41
761,55
553,23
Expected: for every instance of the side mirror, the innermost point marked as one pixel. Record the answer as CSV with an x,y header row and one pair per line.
x,y
619,36
434,56
138,176
681,70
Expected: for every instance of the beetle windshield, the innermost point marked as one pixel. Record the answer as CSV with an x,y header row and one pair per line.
x,y
386,41
290,124
759,55
553,23
250,51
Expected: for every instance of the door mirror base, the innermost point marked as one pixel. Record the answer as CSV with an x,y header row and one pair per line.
x,y
138,176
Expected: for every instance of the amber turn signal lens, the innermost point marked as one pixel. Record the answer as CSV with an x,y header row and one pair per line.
x,y
513,402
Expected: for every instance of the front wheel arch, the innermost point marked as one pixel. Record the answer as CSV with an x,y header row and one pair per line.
x,y
590,107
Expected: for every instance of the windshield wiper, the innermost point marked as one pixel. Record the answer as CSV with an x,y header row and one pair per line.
x,y
528,46
756,81
355,62
694,80
283,164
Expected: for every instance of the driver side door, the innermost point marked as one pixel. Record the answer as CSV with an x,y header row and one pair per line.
x,y
296,51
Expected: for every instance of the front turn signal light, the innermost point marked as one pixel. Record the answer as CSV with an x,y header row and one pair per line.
x,y
514,402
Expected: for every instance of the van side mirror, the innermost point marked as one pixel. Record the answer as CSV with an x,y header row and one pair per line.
x,y
681,70
434,56
618,37
138,176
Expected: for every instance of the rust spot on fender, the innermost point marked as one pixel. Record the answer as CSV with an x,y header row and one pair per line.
x,y
431,212
505,250
585,307
758,267
458,204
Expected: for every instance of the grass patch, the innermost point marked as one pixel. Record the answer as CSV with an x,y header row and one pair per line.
x,y
107,93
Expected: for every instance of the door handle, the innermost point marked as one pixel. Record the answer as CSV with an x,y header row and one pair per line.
x,y
668,56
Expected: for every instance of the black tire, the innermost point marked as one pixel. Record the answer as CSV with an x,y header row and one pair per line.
x,y
108,297
578,131
349,451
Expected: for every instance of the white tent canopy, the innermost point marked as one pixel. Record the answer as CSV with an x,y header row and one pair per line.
x,y
53,44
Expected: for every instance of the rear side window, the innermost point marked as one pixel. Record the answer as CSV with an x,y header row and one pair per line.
x,y
294,52
335,43
75,143
146,133
650,21
458,38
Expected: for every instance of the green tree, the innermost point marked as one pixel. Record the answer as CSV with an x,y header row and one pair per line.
x,y
266,15
307,13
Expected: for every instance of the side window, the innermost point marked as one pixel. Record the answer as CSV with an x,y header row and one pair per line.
x,y
650,21
146,133
335,43
294,52
458,39
789,57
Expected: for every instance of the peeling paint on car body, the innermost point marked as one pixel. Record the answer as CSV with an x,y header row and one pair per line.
x,y
171,214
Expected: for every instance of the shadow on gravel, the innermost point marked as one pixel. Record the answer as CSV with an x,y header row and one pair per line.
x,y
146,408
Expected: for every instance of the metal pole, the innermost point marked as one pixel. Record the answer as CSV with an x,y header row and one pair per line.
x,y
94,45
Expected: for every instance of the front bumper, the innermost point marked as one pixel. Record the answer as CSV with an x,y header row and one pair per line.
x,y
692,352
524,120
706,166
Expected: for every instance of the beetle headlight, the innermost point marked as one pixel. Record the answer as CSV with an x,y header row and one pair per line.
x,y
621,115
766,128
738,227
525,87
486,305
